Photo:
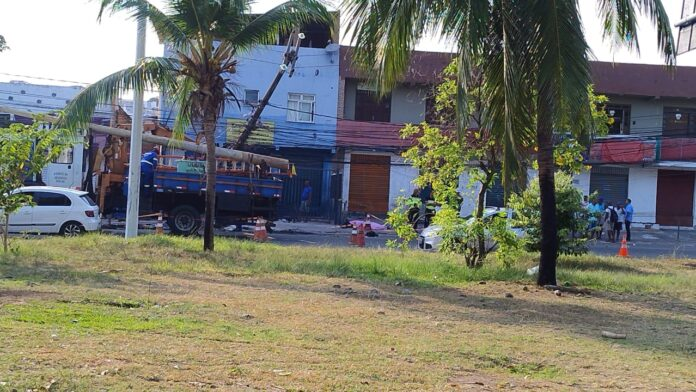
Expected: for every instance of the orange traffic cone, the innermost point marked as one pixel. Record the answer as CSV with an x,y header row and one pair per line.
x,y
354,235
623,250
159,226
361,236
260,233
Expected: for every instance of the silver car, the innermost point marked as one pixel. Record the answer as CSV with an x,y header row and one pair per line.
x,y
430,239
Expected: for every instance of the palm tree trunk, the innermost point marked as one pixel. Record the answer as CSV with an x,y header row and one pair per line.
x,y
549,224
209,123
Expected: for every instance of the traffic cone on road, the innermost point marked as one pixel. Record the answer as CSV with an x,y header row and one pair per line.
x,y
623,250
260,233
361,236
159,226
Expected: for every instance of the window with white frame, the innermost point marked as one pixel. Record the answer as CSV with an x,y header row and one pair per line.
x,y
301,107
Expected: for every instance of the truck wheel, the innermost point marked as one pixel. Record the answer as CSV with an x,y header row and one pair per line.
x,y
184,220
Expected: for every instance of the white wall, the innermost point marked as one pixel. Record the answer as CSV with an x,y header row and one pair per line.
x,y
401,178
469,194
582,182
642,190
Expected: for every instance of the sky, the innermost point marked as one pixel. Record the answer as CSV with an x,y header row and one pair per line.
x,y
62,40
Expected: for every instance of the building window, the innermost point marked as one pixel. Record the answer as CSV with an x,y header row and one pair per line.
x,y
621,116
679,121
301,107
22,92
251,97
38,101
10,98
53,95
369,106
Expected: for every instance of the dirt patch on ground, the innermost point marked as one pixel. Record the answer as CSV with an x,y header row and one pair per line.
x,y
15,296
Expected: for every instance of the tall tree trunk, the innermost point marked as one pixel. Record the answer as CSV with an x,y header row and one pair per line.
x,y
5,231
209,122
547,193
480,205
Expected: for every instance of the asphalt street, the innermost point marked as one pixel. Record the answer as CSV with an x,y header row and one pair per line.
x,y
645,243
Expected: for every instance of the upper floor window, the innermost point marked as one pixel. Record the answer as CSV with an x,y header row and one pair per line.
x,y
301,107
621,116
678,121
369,106
251,97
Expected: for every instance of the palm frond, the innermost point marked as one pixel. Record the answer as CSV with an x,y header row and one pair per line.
x,y
182,100
149,73
621,25
166,27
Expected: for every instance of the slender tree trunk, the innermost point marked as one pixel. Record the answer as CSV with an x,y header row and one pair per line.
x,y
209,123
480,205
5,232
547,193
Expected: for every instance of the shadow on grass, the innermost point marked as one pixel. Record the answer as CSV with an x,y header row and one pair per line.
x,y
596,264
45,272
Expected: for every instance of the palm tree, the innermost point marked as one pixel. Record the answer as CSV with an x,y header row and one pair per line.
x,y
534,58
206,36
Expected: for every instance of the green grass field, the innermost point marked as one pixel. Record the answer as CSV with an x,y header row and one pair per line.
x,y
156,313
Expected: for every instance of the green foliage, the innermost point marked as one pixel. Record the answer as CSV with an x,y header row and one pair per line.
x,y
571,215
398,220
24,151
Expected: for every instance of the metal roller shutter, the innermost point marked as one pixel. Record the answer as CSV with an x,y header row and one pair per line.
x,y
610,183
369,184
675,198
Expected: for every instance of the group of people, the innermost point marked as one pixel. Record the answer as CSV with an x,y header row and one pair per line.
x,y
609,218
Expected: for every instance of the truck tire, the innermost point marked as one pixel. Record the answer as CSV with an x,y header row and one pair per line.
x,y
184,220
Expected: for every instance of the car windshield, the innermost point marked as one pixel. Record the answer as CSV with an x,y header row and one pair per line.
x,y
88,200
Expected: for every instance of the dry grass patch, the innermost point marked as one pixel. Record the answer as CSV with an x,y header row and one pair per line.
x,y
156,314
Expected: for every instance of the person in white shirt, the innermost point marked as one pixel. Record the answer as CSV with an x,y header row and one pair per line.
x,y
608,226
620,219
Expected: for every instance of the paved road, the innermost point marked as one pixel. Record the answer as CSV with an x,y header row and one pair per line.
x,y
646,243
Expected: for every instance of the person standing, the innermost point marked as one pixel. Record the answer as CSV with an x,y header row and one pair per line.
x,y
426,195
306,199
629,218
609,218
148,164
620,219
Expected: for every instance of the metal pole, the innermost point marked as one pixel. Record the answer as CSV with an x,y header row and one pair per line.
x,y
136,144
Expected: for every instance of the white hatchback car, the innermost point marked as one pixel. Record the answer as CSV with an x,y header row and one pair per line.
x,y
430,238
55,211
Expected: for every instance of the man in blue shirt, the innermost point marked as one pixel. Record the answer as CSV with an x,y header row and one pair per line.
x,y
306,199
148,164
629,218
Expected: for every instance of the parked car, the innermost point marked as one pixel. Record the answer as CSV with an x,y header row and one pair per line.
x,y
55,211
430,239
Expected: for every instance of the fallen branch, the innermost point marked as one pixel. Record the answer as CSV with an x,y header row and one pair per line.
x,y
565,289
612,335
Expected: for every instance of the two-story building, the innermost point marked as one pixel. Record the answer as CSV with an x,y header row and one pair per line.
x,y
368,140
649,153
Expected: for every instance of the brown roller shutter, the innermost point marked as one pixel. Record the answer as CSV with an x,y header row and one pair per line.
x,y
675,198
369,184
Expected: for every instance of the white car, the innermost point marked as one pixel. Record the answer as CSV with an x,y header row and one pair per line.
x,y
56,211
430,239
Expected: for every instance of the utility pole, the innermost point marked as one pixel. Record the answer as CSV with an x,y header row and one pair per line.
x,y
136,143
289,59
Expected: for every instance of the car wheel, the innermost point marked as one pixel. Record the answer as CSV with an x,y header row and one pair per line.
x,y
184,220
71,229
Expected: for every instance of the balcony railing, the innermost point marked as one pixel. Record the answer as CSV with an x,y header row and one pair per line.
x,y
635,150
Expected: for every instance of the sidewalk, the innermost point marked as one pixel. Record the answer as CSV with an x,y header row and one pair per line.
x,y
283,226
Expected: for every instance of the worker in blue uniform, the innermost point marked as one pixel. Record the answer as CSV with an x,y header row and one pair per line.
x,y
148,164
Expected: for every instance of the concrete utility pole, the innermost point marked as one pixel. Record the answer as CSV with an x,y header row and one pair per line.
x,y
289,59
136,143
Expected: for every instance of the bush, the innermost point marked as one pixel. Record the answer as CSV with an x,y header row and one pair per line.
x,y
571,216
